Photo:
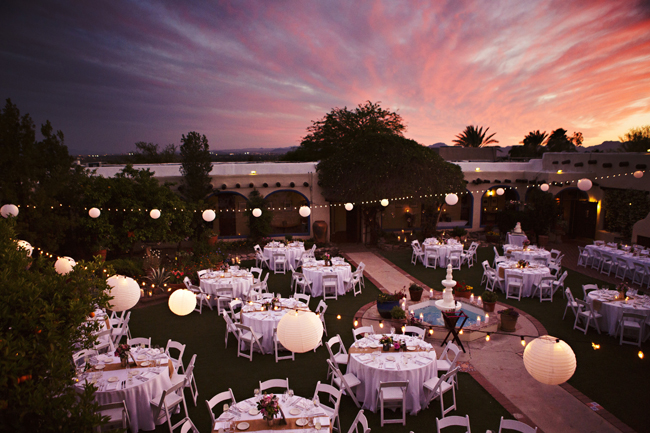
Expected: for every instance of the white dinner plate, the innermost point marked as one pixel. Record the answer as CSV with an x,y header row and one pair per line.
x,y
294,411
113,379
144,364
411,347
390,358
141,357
373,346
253,411
99,366
301,422
243,426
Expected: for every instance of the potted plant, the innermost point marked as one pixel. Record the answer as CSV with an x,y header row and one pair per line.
x,y
463,290
398,315
213,237
415,291
387,301
508,319
489,300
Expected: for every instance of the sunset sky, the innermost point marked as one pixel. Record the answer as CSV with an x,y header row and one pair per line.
x,y
256,73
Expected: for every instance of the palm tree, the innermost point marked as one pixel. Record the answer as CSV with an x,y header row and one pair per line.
x,y
474,136
533,145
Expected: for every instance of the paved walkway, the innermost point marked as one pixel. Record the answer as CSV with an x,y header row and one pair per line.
x,y
498,365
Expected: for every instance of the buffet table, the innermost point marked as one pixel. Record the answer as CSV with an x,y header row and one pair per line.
x,y
372,365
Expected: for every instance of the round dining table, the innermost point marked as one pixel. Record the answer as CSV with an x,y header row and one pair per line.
x,y
604,302
240,280
292,252
442,249
264,321
136,386
315,270
372,365
530,254
300,413
532,275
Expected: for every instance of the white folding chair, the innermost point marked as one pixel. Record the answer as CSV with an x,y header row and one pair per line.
x,y
392,395
641,272
586,312
118,416
431,257
632,322
104,341
415,331
201,273
360,424
139,341
230,327
261,261
344,382
176,362
283,384
511,424
586,288
438,386
279,263
302,298
331,286
187,426
417,254
570,302
334,396
223,295
79,358
514,287
596,259
258,271
447,362
166,403
320,312
304,284
279,347
622,268
450,421
608,264
188,379
362,279
122,330
341,356
248,336
544,288
225,396
360,332
583,257
233,308
497,258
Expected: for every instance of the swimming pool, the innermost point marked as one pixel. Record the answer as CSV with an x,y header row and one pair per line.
x,y
433,316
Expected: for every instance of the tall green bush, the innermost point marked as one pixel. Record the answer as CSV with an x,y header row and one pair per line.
x,y
623,208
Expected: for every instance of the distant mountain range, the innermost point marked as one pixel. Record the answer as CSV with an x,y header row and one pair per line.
x,y
605,146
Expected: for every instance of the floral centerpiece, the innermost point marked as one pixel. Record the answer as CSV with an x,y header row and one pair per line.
x,y
386,341
526,243
123,351
328,259
268,406
622,289
522,264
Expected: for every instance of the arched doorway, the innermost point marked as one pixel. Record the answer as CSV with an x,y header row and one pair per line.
x,y
578,214
231,221
286,220
492,203
458,215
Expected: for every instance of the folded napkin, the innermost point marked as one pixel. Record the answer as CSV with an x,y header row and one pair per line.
x,y
421,361
304,404
226,416
243,406
323,420
390,365
111,386
218,425
364,358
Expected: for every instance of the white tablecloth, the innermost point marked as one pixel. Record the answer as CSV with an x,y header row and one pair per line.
x,y
530,254
241,282
516,239
293,253
612,311
138,394
532,275
246,410
630,258
443,251
417,371
314,273
264,322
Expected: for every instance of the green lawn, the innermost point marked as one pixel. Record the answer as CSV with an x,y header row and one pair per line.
x,y
612,376
218,369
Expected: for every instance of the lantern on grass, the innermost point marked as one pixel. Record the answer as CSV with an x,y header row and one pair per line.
x,y
500,191
64,265
257,212
155,214
584,184
94,212
182,302
125,292
638,174
26,246
349,206
9,210
209,215
300,331
451,199
549,360
544,187
304,211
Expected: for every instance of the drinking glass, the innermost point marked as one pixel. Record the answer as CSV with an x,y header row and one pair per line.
x,y
256,392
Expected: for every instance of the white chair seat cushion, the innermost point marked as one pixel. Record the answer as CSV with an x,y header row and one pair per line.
x,y
431,384
350,379
392,394
171,400
627,324
341,358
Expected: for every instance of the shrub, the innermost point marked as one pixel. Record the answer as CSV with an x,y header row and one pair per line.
x,y
397,313
488,296
127,267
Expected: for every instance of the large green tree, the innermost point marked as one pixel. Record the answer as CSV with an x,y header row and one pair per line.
x,y
149,153
473,136
195,167
341,127
636,139
558,141
41,318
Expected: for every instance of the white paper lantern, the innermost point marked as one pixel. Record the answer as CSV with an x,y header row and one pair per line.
x,y
209,215
26,246
584,184
257,212
638,174
9,210
549,360
304,211
94,212
64,265
500,191
182,302
544,187
125,292
451,199
349,206
155,214
300,331
384,202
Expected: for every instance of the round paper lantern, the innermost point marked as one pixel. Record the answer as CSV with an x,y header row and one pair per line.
x,y
94,212
638,174
384,202
304,211
544,187
209,215
26,246
349,206
64,265
451,199
549,360
500,191
182,302
257,212
300,331
155,214
584,184
9,210
125,292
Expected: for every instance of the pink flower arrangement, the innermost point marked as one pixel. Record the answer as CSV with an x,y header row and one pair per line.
x,y
268,406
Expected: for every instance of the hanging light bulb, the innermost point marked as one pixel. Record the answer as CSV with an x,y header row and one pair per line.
x,y
523,342
487,337
155,214
584,184
209,215
349,206
257,212
544,187
338,317
381,324
94,212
